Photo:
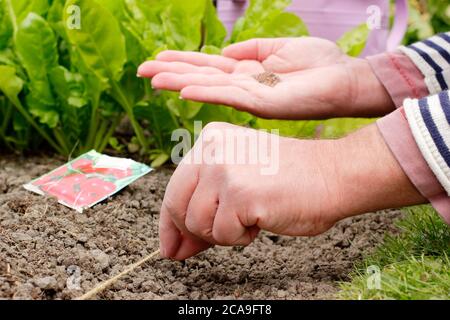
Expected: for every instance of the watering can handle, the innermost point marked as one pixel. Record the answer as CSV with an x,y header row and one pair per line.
x,y
399,28
400,25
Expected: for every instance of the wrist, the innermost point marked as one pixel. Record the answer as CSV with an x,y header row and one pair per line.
x,y
370,177
369,96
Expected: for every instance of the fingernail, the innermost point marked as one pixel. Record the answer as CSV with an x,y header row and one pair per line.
x,y
180,97
138,75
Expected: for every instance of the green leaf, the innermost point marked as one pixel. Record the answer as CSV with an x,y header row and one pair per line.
x,y
276,25
184,109
99,42
6,26
214,32
10,84
37,49
55,17
257,13
288,128
182,24
337,128
161,122
115,144
142,27
22,8
159,160
211,50
69,87
354,41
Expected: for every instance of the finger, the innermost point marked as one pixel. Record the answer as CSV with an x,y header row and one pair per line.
x,y
198,59
176,82
190,246
150,68
202,210
228,230
169,236
227,95
173,212
254,49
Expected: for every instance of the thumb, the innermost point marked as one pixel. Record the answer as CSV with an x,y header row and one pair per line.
x,y
255,49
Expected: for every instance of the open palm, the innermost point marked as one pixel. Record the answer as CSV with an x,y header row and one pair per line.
x,y
317,79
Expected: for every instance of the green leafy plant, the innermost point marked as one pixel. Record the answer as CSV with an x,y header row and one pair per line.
x,y
68,81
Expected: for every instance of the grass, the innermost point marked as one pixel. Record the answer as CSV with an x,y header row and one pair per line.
x,y
413,265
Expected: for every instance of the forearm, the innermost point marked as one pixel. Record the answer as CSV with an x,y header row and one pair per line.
x,y
371,177
369,96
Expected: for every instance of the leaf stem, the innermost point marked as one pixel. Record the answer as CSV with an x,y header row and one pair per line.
x,y
93,124
59,135
109,134
7,118
129,110
16,102
100,133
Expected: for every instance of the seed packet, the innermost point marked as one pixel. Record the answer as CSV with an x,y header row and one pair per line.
x,y
88,179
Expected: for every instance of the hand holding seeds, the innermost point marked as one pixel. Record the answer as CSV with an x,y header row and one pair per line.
x,y
290,78
313,186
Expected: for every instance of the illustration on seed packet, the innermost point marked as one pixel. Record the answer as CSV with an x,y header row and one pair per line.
x,y
88,179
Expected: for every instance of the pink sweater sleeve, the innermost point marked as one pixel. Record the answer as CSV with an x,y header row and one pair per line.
x,y
402,79
398,136
399,75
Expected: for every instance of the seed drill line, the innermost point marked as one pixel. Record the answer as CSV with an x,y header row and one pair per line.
x,y
102,286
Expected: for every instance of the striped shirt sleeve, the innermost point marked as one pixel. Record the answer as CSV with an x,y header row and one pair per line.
x,y
429,120
432,57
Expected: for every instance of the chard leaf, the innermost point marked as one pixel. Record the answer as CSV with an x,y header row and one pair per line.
x,y
36,47
144,23
55,17
288,128
99,42
257,13
10,84
69,87
130,29
354,41
22,8
182,24
6,26
283,24
211,50
214,32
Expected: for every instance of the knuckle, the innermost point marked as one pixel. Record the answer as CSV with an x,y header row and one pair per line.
x,y
223,238
196,228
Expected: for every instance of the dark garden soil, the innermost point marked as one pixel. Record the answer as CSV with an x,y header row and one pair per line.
x,y
44,244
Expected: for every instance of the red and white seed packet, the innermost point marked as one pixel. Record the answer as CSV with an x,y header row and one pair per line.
x,y
88,179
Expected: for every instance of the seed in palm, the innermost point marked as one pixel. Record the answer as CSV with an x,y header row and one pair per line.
x,y
267,78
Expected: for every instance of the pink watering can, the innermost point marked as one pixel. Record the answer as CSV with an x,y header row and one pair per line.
x,y
330,19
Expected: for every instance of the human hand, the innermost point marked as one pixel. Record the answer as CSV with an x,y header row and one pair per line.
x,y
317,79
317,184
